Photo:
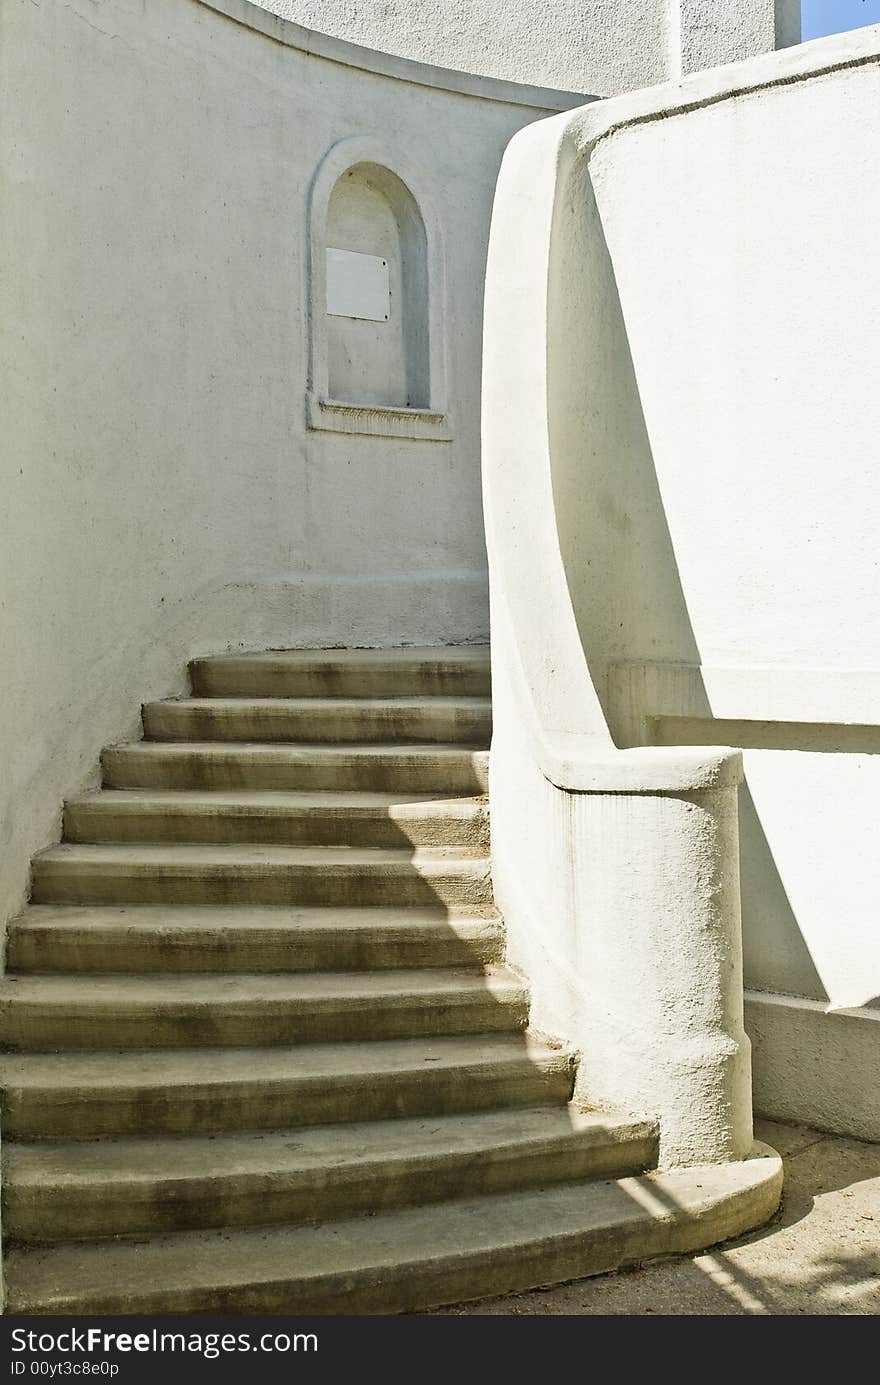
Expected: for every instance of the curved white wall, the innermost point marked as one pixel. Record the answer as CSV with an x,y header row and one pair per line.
x,y
600,46
584,45
162,494
712,334
616,871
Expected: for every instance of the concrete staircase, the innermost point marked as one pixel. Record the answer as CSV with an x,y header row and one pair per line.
x,y
262,1051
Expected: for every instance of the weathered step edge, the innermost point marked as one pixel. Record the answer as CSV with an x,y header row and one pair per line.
x,y
456,670
46,1014
182,874
228,819
452,770
332,721
58,1193
405,1261
207,1091
154,939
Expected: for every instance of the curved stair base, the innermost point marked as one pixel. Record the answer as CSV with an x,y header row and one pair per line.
x,y
403,1261
261,1051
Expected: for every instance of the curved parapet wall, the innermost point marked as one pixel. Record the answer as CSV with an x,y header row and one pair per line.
x,y
589,45
666,442
277,20
616,871
603,46
164,493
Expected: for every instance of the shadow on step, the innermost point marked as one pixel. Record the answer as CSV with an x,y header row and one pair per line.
x,y
234,1054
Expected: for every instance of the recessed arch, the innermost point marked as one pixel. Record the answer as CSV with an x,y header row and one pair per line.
x,y
367,374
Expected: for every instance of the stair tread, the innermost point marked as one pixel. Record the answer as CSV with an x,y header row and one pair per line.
x,y
168,918
402,1258
279,705
462,670
212,989
283,817
430,654
337,720
115,1071
187,855
174,939
178,1158
302,750
354,801
383,673
448,767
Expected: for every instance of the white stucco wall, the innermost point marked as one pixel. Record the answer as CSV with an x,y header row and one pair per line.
x,y
601,46
161,494
616,871
713,332
742,241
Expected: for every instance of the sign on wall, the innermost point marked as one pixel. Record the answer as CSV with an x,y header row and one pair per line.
x,y
357,285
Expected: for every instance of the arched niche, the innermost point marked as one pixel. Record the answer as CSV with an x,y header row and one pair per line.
x,y
376,258
377,298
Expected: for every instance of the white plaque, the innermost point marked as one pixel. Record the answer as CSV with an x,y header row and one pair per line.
x,y
357,285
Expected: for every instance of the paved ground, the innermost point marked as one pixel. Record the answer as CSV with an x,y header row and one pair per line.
x,y
820,1255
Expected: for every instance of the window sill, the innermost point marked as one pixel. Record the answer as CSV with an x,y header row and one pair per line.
x,y
377,420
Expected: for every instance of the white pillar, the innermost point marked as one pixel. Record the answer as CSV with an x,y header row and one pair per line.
x,y
659,960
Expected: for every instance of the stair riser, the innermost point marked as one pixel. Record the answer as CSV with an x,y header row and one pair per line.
x,y
47,1213
238,678
165,721
26,1028
96,822
463,775
44,950
284,885
82,1113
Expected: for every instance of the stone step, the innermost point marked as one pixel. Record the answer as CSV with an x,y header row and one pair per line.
x,y
155,938
79,1191
445,769
405,1260
440,672
461,721
76,1096
319,818
144,874
46,1013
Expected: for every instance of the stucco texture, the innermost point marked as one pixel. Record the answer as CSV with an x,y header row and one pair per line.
x,y
162,494
697,388
765,466
597,46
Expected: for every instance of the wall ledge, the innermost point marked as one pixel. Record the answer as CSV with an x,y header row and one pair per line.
x,y
643,690
578,764
377,420
814,1063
